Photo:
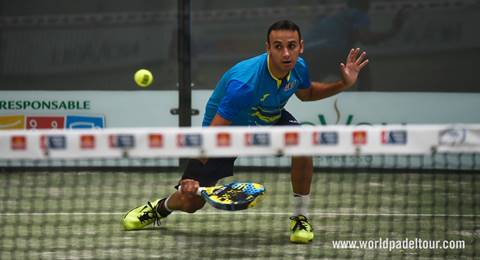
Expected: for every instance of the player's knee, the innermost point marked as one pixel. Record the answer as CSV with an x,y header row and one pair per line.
x,y
302,159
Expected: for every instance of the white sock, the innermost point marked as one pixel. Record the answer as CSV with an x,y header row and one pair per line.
x,y
165,204
301,202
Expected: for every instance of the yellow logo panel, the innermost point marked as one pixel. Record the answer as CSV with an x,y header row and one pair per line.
x,y
12,122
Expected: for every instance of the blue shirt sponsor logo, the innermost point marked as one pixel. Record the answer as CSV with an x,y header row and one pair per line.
x,y
394,137
325,138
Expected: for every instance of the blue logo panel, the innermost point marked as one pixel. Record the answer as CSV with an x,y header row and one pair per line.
x,y
85,122
325,138
56,142
189,140
394,137
122,141
257,139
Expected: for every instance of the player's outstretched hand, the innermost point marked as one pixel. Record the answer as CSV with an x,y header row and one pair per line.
x,y
351,68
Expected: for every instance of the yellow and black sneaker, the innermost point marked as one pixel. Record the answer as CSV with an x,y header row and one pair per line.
x,y
143,216
302,231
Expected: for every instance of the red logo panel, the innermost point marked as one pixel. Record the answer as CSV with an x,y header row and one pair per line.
x,y
18,142
359,137
155,140
223,139
291,138
45,122
87,141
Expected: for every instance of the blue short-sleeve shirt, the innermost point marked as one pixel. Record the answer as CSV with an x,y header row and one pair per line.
x,y
248,94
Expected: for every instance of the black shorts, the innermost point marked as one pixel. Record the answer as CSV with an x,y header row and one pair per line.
x,y
217,168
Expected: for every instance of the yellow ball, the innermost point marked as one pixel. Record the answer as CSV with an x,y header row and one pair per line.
x,y
143,78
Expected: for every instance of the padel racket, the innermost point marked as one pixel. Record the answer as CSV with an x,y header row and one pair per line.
x,y
232,196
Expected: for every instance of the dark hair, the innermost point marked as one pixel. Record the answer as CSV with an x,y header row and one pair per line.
x,y
284,25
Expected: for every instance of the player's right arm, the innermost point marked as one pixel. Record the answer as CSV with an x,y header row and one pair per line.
x,y
218,120
191,186
238,96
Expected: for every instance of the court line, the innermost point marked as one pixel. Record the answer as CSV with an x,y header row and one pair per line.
x,y
260,213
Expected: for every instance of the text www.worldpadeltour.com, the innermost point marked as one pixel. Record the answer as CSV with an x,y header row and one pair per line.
x,y
391,244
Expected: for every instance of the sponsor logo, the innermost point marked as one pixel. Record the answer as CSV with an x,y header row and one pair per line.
x,y
121,141
223,139
189,140
325,138
45,122
84,122
264,97
53,142
291,138
12,122
394,137
51,122
87,141
18,142
359,137
155,140
290,85
452,136
257,139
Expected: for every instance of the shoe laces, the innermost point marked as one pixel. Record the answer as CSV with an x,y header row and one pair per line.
x,y
151,214
301,223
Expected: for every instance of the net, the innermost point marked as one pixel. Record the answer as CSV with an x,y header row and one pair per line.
x,y
377,192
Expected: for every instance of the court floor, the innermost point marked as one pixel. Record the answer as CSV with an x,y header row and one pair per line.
x,y
76,215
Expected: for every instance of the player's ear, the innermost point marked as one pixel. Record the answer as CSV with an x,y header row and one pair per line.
x,y
267,47
301,46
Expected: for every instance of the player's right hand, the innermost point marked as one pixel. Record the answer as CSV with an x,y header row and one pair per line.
x,y
189,186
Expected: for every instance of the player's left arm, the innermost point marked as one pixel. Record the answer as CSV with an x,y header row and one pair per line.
x,y
349,70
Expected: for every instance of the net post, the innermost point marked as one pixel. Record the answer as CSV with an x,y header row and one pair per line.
x,y
184,63
184,68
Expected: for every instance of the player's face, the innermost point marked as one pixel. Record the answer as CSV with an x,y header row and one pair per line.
x,y
284,47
